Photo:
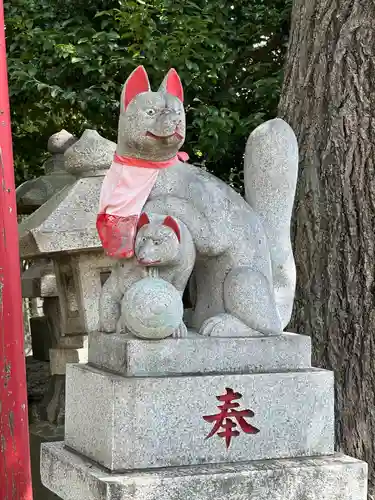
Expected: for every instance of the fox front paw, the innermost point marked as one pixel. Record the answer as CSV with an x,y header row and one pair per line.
x,y
209,326
181,332
226,325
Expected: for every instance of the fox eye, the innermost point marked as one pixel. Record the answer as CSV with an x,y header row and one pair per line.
x,y
156,243
150,112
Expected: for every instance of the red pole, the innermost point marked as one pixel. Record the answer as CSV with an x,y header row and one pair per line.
x,y
15,476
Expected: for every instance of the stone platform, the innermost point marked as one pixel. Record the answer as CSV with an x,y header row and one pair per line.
x,y
139,422
129,356
336,477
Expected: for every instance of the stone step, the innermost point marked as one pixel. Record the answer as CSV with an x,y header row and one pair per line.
x,y
337,477
139,422
129,356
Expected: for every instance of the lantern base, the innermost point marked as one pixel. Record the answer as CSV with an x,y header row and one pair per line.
x,y
42,432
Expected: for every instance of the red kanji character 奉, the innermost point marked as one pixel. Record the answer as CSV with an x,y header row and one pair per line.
x,y
228,418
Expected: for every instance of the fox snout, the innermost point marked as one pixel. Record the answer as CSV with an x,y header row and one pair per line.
x,y
146,254
168,124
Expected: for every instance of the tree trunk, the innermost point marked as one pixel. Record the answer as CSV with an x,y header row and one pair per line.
x,y
329,99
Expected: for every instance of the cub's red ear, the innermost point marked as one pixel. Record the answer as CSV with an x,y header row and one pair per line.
x,y
134,85
172,84
143,220
170,222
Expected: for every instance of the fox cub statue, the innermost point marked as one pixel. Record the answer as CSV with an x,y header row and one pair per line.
x,y
243,280
161,242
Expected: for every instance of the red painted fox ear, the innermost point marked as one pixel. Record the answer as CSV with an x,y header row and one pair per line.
x,y
142,221
134,85
170,222
172,85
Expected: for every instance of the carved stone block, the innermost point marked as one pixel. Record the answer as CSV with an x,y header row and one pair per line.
x,y
79,282
197,354
127,423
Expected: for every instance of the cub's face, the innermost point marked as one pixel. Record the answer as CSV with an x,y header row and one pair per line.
x,y
157,245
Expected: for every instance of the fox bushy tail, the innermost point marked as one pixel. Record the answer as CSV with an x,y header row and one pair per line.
x,y
270,174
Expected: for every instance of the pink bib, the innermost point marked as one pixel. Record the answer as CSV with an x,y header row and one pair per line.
x,y
126,188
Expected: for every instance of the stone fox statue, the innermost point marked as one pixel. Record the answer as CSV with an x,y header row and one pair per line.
x,y
244,277
161,242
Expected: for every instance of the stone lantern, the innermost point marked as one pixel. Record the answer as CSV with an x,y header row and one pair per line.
x,y
38,280
63,230
60,238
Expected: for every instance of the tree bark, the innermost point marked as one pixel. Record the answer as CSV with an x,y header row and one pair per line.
x,y
328,98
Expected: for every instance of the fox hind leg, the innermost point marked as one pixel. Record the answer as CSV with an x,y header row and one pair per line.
x,y
250,307
248,296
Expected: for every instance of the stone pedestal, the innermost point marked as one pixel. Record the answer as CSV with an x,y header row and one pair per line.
x,y
140,423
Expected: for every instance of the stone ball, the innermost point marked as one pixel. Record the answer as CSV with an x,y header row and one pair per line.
x,y
92,154
152,309
60,142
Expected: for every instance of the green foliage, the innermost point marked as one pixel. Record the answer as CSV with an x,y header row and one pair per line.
x,y
68,59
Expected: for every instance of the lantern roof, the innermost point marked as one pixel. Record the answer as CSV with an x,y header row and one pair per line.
x,y
66,222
